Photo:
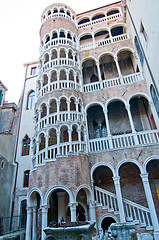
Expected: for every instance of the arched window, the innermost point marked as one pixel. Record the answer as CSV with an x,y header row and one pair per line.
x,y
155,99
26,178
26,146
31,100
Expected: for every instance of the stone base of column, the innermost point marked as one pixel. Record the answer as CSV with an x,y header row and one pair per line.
x,y
156,235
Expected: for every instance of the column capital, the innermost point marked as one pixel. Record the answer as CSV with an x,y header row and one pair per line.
x,y
73,205
44,208
116,180
127,107
29,209
91,203
144,177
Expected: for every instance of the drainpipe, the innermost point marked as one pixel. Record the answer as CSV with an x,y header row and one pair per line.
x,y
15,183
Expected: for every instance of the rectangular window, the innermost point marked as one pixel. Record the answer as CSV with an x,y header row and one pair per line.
x,y
26,179
33,70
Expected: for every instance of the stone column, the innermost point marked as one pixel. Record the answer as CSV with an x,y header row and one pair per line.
x,y
37,151
44,220
117,65
34,230
46,146
68,109
119,198
99,75
28,224
73,211
132,124
58,110
151,205
47,113
58,80
108,128
70,139
92,215
58,143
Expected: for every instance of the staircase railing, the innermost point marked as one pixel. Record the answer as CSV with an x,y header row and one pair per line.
x,y
133,212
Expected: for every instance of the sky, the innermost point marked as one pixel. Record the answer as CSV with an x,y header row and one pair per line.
x,y
20,22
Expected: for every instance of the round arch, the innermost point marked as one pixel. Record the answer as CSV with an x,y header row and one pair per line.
x,y
106,216
129,161
100,165
105,53
93,104
114,99
124,49
87,190
154,157
141,94
31,192
49,192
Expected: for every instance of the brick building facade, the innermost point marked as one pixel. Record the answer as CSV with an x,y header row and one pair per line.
x,y
88,139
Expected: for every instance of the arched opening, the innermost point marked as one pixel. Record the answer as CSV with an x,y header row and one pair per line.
x,y
47,39
98,16
89,71
53,76
85,20
71,75
64,137
69,36
30,100
35,201
63,75
141,114
107,221
49,13
41,141
125,59
43,110
112,12
55,10
81,209
70,54
103,178
54,35
86,39
117,31
96,122
46,58
62,53
63,104
152,169
130,182
52,137
53,106
72,104
62,34
118,118
68,13
26,146
74,134
54,54
45,80
101,35
108,67
62,10
58,207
